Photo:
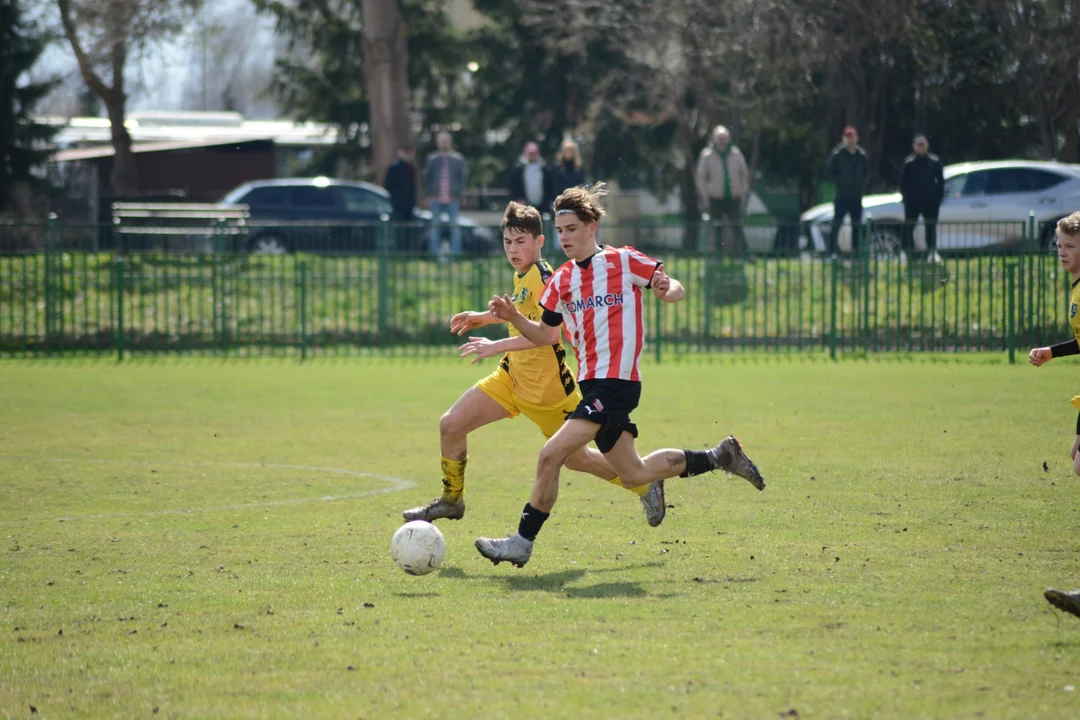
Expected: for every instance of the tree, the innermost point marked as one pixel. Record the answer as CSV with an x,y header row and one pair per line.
x,y
107,35
386,60
324,75
230,51
22,141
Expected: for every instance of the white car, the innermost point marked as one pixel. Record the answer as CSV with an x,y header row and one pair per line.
x,y
986,204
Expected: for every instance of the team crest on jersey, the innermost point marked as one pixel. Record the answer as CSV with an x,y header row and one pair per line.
x,y
520,296
1072,310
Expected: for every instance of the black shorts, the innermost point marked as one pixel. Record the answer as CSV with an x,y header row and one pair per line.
x,y
608,403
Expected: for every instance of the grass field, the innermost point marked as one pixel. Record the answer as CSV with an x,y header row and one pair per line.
x,y
199,538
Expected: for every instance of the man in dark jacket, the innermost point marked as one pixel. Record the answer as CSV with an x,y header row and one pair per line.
x,y
531,181
401,184
848,169
922,185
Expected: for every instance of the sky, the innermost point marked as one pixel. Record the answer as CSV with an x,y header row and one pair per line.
x,y
170,75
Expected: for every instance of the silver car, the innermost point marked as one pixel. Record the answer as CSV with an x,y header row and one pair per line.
x,y
986,204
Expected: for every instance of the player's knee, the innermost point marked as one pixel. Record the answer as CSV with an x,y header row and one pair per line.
x,y
552,458
449,424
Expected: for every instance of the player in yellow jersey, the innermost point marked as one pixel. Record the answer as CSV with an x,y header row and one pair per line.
x,y
531,381
1068,249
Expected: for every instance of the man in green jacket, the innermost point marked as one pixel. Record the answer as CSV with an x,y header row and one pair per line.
x,y
848,170
723,183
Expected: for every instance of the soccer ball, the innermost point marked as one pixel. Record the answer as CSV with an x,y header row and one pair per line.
x,y
418,547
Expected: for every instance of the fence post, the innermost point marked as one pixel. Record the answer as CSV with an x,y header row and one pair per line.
x,y
657,315
302,310
118,288
867,253
1031,231
1010,287
51,298
832,309
383,275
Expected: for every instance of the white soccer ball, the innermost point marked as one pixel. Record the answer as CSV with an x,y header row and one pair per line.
x,y
418,547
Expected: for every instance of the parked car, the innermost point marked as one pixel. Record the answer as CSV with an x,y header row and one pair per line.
x,y
324,215
986,205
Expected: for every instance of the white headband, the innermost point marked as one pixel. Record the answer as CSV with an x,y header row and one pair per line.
x,y
563,212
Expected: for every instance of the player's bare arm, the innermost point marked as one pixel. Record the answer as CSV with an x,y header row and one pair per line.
x,y
667,288
469,320
485,348
537,332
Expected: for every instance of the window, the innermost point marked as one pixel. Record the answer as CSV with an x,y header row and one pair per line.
x,y
311,197
358,201
264,197
1021,180
975,183
1038,180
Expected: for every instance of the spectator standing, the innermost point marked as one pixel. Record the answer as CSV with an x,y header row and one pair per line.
x,y
723,183
568,172
848,169
445,177
922,185
531,181
400,182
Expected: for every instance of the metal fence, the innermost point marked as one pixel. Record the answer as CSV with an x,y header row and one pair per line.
x,y
65,300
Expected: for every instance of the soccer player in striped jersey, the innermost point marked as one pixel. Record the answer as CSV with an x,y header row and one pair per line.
x,y
597,294
530,380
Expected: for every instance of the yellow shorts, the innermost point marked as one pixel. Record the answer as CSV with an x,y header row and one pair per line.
x,y
549,419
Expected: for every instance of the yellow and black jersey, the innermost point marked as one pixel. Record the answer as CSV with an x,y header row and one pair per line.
x,y
1074,316
539,376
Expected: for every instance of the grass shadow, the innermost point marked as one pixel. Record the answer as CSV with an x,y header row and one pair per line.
x,y
557,582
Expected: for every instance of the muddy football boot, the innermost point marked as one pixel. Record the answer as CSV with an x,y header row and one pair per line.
x,y
1067,601
654,504
729,457
435,510
514,549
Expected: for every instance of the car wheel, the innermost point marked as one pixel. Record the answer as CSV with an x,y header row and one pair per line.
x,y
887,239
268,244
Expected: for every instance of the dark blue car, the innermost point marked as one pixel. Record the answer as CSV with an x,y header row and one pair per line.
x,y
324,215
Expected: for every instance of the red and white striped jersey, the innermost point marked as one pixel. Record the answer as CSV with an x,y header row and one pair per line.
x,y
601,305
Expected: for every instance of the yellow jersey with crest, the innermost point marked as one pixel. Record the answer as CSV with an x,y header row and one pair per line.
x,y
1074,304
539,377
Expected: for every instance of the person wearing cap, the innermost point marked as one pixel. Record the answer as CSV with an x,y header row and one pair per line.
x,y
848,169
922,185
531,181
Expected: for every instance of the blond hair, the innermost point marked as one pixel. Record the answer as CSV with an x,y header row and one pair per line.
x,y
568,143
1069,225
522,218
583,201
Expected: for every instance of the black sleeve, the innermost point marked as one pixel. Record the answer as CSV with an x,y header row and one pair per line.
x,y
1065,349
552,318
939,173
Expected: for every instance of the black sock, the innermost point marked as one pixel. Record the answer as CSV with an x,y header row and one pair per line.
x,y
697,463
531,522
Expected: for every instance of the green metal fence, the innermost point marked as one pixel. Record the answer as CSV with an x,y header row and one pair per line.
x,y
385,303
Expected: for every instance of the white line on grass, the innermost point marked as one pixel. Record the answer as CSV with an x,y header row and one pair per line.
x,y
396,484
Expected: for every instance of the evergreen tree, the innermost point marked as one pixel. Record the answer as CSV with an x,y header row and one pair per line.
x,y
22,141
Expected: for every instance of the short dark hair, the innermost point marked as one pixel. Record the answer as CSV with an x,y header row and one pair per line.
x,y
522,218
583,201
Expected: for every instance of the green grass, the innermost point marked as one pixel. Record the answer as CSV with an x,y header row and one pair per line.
x,y
203,538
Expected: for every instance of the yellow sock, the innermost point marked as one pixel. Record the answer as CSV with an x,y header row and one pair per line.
x,y
453,479
640,491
